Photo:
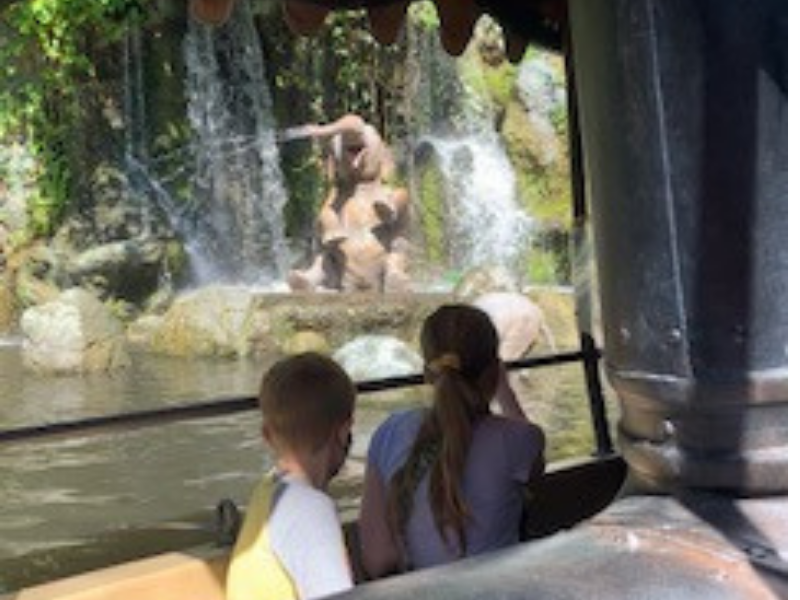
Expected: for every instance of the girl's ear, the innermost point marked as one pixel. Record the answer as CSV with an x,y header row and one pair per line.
x,y
267,435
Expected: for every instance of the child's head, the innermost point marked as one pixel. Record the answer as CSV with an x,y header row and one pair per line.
x,y
460,347
307,405
462,338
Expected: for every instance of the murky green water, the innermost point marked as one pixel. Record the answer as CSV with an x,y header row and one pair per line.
x,y
74,504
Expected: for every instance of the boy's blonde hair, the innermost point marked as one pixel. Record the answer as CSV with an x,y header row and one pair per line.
x,y
304,398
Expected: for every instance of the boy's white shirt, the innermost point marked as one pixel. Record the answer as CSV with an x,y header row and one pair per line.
x,y
307,537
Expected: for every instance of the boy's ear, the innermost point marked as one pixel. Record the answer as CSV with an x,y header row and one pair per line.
x,y
343,432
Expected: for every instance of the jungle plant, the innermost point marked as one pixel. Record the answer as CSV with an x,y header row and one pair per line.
x,y
45,47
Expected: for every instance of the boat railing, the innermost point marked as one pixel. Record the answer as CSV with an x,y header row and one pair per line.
x,y
588,354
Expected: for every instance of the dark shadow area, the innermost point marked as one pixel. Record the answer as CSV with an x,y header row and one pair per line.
x,y
566,496
757,532
739,314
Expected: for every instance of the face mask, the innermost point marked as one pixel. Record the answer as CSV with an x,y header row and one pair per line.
x,y
345,449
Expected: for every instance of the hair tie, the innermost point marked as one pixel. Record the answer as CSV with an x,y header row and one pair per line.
x,y
447,360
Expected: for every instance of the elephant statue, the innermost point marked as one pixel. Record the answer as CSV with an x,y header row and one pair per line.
x,y
361,226
520,323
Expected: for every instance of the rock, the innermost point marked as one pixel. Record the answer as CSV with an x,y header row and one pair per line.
x,y
142,331
129,270
35,270
237,321
520,323
276,318
207,322
378,356
8,307
306,341
75,333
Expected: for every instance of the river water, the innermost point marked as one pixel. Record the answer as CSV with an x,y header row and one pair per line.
x,y
74,504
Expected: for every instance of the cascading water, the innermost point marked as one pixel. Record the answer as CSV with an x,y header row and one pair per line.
x,y
134,101
145,184
235,214
484,223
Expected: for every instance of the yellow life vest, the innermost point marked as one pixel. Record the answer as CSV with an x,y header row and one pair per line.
x,y
255,571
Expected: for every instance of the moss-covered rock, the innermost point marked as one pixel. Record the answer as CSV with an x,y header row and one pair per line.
x,y
74,333
8,304
206,322
431,211
540,164
306,341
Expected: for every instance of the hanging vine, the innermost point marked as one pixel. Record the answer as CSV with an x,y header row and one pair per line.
x,y
45,57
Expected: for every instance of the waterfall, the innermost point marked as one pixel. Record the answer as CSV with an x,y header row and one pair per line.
x,y
144,184
485,224
433,90
235,213
134,100
454,122
137,186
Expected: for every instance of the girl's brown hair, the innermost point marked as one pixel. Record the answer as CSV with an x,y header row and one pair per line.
x,y
459,344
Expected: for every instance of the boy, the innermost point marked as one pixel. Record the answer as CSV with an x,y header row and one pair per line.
x,y
291,543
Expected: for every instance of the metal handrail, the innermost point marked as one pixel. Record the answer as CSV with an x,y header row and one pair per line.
x,y
227,406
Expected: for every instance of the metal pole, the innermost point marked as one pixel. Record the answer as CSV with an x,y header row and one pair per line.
x,y
589,352
594,391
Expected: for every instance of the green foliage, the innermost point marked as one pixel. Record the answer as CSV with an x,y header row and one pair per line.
x,y
540,162
542,268
496,82
424,15
304,179
364,75
44,55
342,69
500,83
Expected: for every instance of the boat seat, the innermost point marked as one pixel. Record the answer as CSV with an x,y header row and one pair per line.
x,y
570,493
197,574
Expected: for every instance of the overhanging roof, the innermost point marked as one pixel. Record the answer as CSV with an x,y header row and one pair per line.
x,y
523,21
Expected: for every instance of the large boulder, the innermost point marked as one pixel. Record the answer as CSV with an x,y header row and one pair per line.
x,y
211,321
74,333
34,271
130,270
520,323
378,356
237,321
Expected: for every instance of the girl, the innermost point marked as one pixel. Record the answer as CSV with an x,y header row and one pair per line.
x,y
447,482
